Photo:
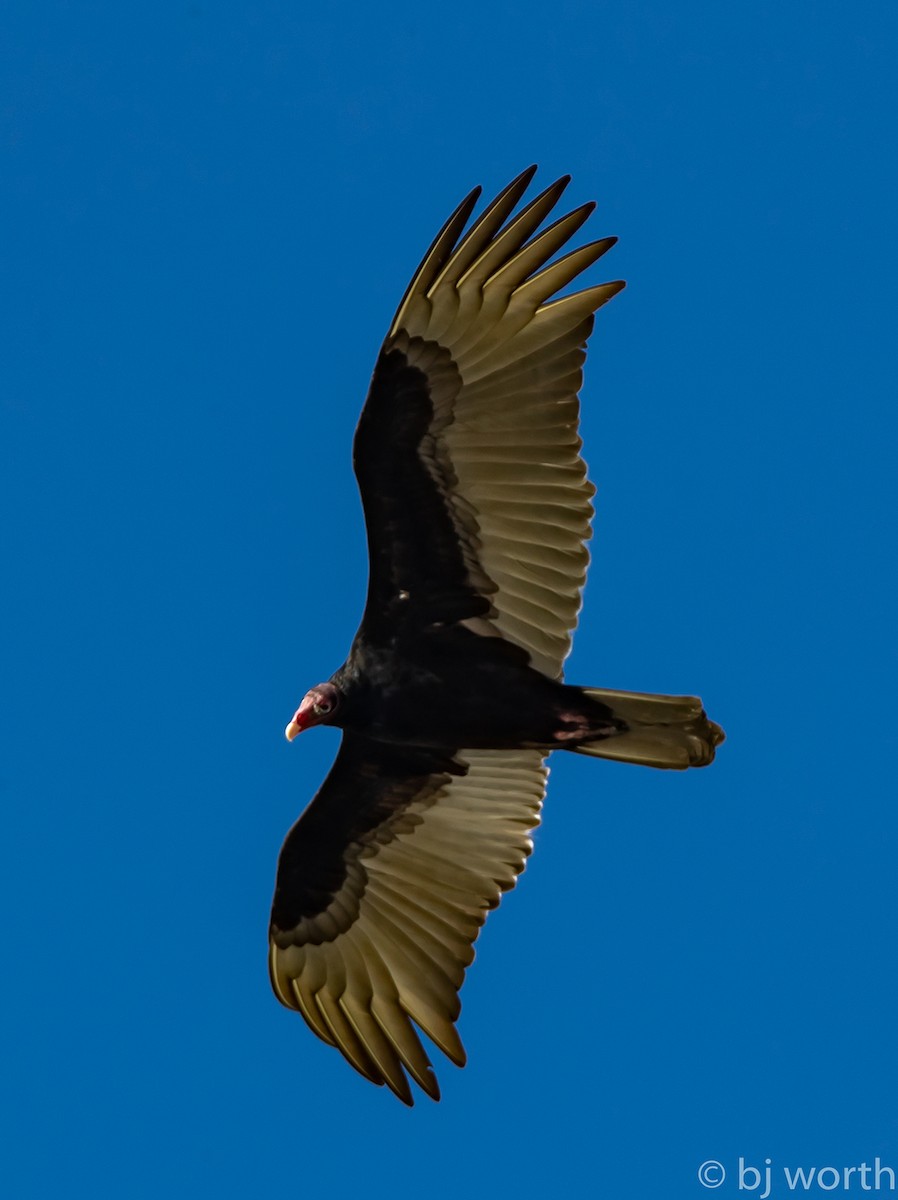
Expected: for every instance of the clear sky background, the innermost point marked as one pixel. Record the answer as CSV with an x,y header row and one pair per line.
x,y
210,213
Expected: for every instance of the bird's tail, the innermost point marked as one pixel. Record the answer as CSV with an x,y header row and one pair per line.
x,y
661,731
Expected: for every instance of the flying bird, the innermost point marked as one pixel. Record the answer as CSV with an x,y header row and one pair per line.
x,y
477,509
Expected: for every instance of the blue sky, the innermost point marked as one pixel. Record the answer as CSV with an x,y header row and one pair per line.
x,y
210,213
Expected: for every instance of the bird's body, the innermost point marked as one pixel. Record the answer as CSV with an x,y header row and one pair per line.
x,y
449,688
477,509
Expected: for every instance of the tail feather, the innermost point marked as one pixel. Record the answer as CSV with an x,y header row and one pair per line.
x,y
662,731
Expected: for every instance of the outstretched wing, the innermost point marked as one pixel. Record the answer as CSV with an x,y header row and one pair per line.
x,y
382,887
467,453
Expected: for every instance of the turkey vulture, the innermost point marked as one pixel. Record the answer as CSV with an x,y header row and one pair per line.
x,y
477,510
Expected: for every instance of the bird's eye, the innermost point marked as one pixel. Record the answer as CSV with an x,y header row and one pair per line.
x,y
321,709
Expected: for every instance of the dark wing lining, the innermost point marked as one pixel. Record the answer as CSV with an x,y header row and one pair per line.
x,y
417,560
369,786
467,453
382,887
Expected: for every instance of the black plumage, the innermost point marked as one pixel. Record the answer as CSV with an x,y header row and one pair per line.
x,y
477,509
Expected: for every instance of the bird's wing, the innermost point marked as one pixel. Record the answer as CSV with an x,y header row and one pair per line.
x,y
382,887
467,453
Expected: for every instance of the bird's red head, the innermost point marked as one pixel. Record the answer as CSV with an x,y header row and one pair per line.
x,y
318,706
